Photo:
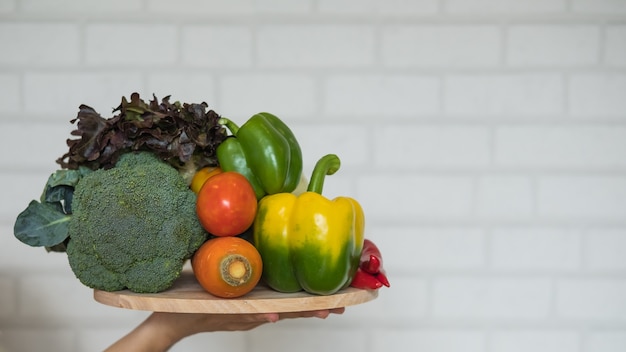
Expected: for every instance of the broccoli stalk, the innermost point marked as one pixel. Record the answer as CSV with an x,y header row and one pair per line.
x,y
133,226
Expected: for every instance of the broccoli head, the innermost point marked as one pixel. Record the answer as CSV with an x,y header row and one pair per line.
x,y
133,226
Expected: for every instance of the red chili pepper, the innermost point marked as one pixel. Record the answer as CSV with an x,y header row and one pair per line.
x,y
371,259
370,274
382,277
371,265
365,280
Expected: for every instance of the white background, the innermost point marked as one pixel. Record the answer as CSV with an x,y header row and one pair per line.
x,y
485,140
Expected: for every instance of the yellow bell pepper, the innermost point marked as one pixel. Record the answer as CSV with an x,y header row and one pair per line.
x,y
309,242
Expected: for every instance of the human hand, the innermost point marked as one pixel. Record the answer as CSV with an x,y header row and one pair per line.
x,y
186,324
161,330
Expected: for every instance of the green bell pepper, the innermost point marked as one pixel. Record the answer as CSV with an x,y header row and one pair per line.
x,y
265,151
309,242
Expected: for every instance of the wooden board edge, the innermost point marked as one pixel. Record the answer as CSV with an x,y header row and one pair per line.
x,y
241,305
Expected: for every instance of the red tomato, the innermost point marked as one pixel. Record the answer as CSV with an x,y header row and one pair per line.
x,y
226,204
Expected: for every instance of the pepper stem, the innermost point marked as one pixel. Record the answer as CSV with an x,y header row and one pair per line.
x,y
229,124
327,165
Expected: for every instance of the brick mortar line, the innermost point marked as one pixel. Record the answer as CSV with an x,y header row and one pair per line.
x,y
192,17
322,72
400,120
487,222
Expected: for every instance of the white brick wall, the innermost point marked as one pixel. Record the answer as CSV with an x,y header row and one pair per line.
x,y
23,41
421,46
380,96
597,93
223,46
485,139
548,45
504,94
132,45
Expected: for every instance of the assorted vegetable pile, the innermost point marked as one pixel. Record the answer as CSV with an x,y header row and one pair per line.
x,y
159,183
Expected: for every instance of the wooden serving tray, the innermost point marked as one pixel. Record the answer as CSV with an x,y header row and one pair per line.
x,y
187,296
